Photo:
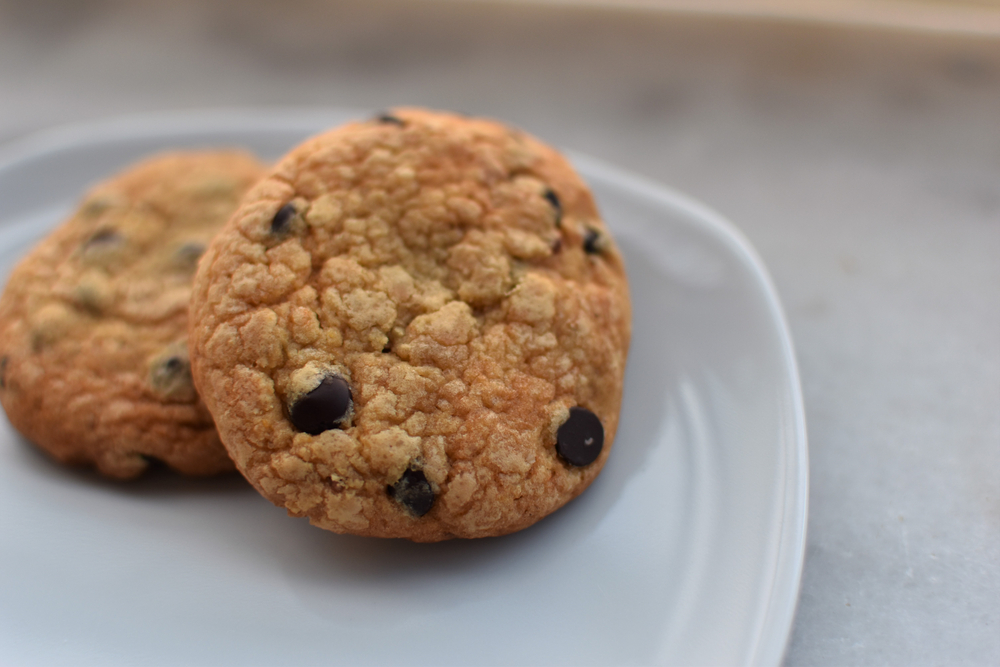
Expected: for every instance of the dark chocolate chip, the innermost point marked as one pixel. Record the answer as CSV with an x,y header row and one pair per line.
x,y
282,221
591,241
171,377
413,492
102,237
389,119
188,254
104,247
323,408
551,197
3,371
580,439
153,463
173,364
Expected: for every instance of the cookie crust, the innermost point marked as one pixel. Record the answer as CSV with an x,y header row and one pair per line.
x,y
93,322
456,275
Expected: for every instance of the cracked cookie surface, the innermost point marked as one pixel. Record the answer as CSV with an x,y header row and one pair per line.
x,y
416,326
94,364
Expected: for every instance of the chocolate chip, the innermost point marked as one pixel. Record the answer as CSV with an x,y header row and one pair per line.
x,y
556,246
282,221
580,439
187,255
103,248
389,119
170,376
551,197
413,492
323,408
102,237
153,463
3,371
591,241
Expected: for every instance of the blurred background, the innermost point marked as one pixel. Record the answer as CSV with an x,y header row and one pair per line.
x,y
856,144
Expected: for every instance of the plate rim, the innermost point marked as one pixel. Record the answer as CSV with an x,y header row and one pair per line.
x,y
773,634
774,631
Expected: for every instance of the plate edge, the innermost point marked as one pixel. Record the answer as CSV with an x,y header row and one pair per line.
x,y
774,629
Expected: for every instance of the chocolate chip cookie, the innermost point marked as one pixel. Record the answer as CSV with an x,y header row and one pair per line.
x,y
416,326
93,322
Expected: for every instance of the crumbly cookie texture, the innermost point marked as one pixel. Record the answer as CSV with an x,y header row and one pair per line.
x,y
94,364
415,326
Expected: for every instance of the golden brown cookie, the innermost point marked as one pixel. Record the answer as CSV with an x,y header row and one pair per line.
x,y
416,327
93,322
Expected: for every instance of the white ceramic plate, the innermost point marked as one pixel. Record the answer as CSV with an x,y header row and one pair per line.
x,y
686,550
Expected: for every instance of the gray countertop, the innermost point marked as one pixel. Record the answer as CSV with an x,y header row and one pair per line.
x,y
863,164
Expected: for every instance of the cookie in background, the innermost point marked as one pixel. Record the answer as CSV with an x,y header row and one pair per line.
x,y
94,366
